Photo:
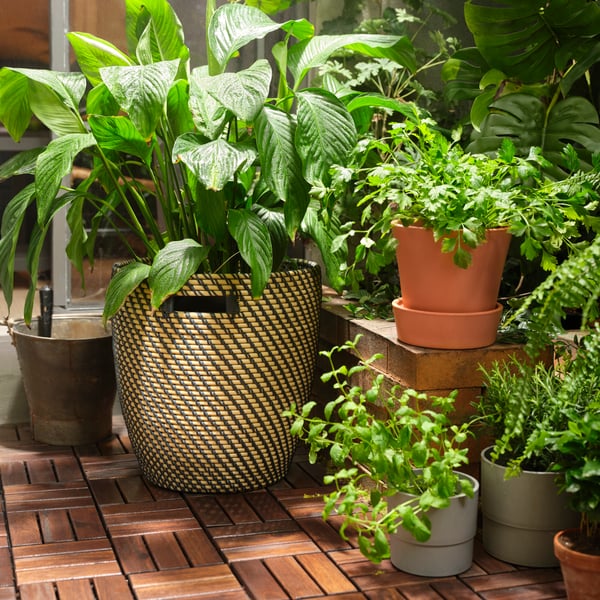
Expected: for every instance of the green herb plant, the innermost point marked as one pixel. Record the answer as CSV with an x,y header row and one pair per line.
x,y
412,448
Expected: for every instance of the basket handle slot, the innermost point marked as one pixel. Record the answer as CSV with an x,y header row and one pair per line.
x,y
201,304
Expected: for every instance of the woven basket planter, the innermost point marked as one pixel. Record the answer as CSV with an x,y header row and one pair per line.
x,y
203,386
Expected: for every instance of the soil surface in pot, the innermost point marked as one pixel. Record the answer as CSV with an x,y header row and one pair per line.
x,y
579,542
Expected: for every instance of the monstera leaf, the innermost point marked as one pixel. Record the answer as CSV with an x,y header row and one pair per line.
x,y
523,119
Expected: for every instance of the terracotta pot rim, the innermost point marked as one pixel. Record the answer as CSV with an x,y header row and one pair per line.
x,y
396,223
397,304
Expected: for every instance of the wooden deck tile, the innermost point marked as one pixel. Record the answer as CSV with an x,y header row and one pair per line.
x,y
47,496
72,560
265,545
141,518
210,582
83,523
118,465
258,580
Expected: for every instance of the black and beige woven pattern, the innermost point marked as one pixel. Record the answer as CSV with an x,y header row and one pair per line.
x,y
202,393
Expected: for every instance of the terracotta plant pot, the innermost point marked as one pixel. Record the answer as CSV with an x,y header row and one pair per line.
x,y
581,571
430,281
442,305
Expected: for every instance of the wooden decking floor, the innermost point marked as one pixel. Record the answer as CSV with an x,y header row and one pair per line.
x,y
81,523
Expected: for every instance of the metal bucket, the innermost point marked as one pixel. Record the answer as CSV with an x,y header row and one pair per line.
x,y
69,379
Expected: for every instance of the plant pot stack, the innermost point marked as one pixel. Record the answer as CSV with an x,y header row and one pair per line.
x,y
442,305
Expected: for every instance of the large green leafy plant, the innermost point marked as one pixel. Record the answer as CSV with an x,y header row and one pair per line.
x,y
412,448
228,164
530,76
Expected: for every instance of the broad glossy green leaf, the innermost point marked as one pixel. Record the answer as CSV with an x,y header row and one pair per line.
x,y
55,163
274,220
234,26
323,235
312,53
254,242
214,163
52,96
462,73
523,39
94,53
119,134
178,110
32,259
12,219
168,42
275,140
142,91
270,6
22,163
15,112
244,92
325,134
209,115
173,265
123,282
50,109
522,118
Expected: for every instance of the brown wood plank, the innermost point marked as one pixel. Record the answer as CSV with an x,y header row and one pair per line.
x,y
454,589
67,468
79,589
198,548
258,580
41,471
514,579
266,506
102,467
24,528
323,534
86,523
133,554
166,551
269,546
237,509
112,588
6,574
292,577
8,593
134,489
211,581
55,526
148,517
208,511
13,473
71,565
106,491
46,496
325,573
547,591
37,591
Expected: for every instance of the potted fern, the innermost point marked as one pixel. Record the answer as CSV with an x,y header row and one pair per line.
x,y
395,481
521,405
205,175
